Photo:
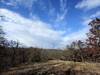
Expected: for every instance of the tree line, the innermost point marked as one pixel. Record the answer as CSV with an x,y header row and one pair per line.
x,y
13,54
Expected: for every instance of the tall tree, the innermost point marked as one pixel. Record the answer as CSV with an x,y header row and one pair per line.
x,y
2,39
93,41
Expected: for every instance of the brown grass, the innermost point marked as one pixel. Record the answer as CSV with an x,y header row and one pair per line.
x,y
56,67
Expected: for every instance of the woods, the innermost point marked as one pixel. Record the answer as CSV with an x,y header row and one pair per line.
x,y
13,54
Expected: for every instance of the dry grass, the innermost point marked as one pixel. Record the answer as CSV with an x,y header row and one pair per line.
x,y
56,67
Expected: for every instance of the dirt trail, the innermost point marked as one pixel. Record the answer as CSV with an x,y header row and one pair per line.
x,y
56,67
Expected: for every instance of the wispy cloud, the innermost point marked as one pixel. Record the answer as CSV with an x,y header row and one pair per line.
x,y
89,18
63,10
97,14
11,3
88,4
48,8
29,32
35,32
61,17
79,35
26,3
87,21
38,30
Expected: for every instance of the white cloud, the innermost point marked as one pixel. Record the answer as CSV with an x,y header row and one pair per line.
x,y
47,7
35,32
29,32
61,17
88,4
26,3
63,5
63,10
79,35
97,14
88,19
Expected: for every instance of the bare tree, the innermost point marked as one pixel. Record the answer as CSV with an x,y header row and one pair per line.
x,y
80,45
2,39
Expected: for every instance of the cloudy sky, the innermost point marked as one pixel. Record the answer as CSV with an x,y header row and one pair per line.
x,y
47,23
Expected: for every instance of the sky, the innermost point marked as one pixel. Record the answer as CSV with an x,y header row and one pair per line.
x,y
47,23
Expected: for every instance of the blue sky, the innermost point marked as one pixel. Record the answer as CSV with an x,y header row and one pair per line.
x,y
47,23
